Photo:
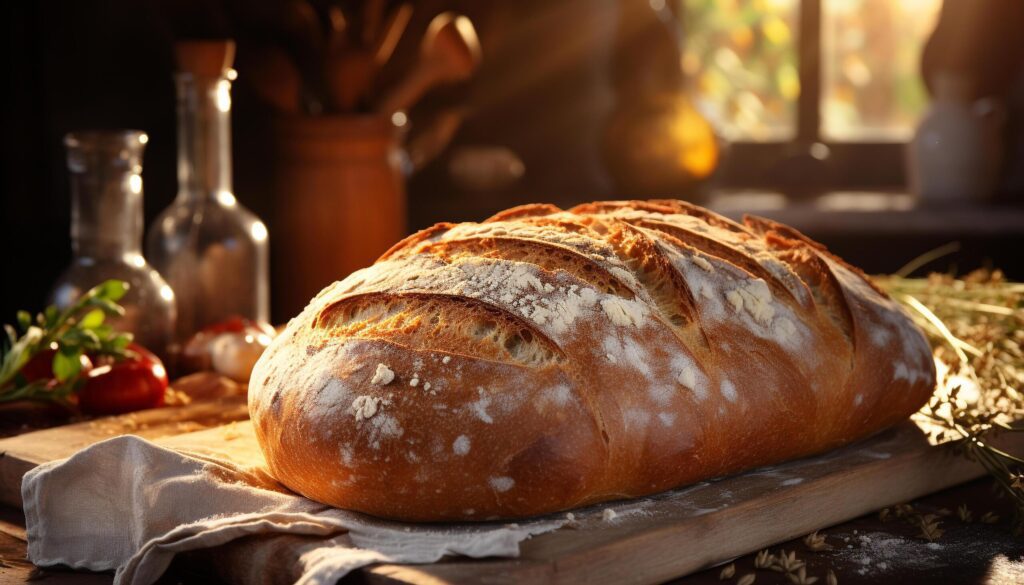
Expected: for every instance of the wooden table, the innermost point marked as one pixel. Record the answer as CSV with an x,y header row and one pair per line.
x,y
883,551
865,550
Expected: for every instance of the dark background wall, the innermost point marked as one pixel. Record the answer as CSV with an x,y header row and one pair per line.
x,y
72,65
543,92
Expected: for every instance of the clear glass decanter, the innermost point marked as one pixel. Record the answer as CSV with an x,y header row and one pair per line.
x,y
106,234
213,251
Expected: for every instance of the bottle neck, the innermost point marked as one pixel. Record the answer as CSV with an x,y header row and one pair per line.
x,y
106,194
204,136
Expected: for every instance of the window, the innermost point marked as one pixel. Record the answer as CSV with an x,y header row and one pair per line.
x,y
871,54
809,93
741,60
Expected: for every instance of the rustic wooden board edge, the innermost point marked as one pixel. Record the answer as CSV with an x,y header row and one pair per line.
x,y
667,551
21,453
766,506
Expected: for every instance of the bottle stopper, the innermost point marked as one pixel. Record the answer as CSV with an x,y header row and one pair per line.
x,y
205,58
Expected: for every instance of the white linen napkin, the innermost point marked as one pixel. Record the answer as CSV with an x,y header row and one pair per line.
x,y
128,505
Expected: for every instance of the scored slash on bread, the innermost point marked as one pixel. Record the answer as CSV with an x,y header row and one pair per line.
x,y
545,359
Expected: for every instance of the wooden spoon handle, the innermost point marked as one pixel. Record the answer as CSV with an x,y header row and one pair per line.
x,y
277,80
349,77
373,11
409,89
394,28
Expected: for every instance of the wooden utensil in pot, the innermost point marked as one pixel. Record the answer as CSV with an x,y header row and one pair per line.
x,y
430,140
450,52
304,39
349,75
276,79
392,31
349,68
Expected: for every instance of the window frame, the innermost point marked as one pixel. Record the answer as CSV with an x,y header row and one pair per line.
x,y
807,165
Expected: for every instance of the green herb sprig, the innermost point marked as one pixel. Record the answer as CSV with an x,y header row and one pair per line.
x,y
77,330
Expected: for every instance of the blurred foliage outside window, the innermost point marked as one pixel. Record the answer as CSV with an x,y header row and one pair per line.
x,y
742,62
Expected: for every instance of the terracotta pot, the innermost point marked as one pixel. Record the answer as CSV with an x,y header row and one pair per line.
x,y
339,202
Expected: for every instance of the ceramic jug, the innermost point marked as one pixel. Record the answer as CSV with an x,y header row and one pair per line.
x,y
957,150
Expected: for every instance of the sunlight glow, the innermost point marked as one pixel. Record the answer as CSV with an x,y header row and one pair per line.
x,y
259,231
224,95
226,198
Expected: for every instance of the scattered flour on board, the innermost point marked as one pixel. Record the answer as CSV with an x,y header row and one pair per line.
x,y
877,552
881,555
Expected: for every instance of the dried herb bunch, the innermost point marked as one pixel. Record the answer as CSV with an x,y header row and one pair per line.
x,y
976,325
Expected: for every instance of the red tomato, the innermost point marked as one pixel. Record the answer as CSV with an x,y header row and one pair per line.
x,y
40,367
238,324
134,383
230,325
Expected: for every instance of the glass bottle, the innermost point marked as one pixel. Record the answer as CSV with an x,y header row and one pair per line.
x,y
213,251
106,234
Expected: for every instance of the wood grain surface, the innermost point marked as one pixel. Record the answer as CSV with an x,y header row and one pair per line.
x,y
651,539
683,531
21,453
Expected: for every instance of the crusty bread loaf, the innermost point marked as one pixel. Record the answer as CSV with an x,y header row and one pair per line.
x,y
547,359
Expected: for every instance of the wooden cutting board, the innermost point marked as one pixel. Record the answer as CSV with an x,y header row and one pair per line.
x,y
650,539
23,452
679,532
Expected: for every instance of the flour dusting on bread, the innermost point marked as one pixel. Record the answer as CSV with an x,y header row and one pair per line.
x,y
382,376
461,445
623,312
364,407
547,359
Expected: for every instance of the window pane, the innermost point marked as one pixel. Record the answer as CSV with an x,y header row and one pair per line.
x,y
741,59
871,84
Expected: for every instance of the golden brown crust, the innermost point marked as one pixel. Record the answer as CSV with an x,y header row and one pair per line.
x,y
547,359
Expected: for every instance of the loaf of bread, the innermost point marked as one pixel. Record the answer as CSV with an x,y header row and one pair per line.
x,y
548,359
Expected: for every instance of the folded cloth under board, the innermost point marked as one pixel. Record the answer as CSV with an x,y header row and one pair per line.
x,y
130,506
